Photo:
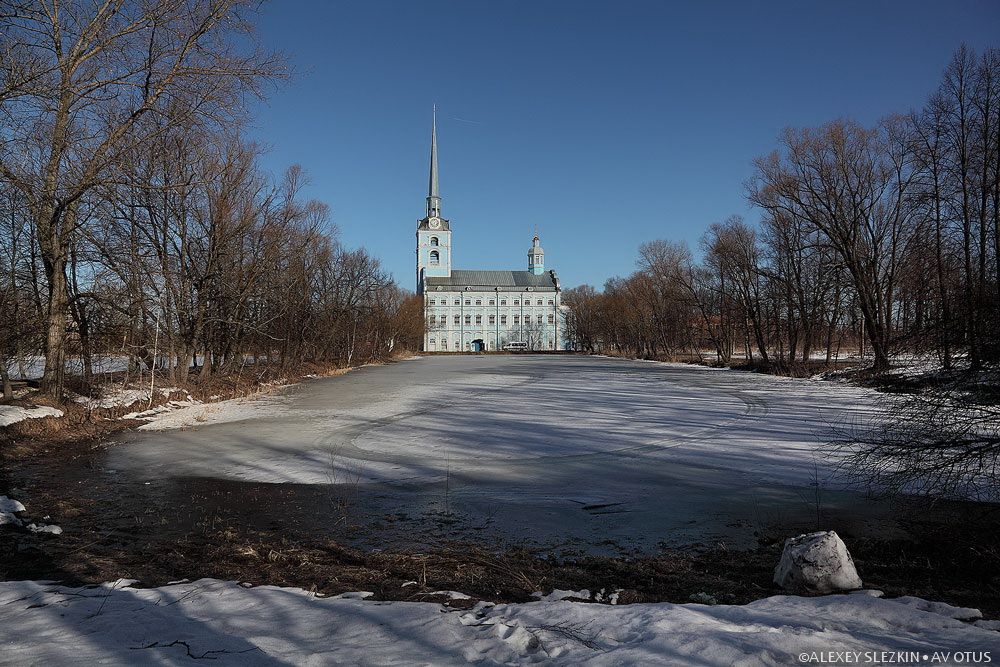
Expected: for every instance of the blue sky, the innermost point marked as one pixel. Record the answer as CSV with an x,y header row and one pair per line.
x,y
604,125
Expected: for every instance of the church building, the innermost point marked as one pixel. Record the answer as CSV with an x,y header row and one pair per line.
x,y
480,310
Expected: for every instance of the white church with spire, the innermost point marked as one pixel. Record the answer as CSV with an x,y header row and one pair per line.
x,y
472,310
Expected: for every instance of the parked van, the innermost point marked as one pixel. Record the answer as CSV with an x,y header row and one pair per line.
x,y
516,346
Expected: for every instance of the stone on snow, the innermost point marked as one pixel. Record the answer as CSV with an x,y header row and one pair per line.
x,y
816,563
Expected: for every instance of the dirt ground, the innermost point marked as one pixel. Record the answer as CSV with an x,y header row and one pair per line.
x,y
109,535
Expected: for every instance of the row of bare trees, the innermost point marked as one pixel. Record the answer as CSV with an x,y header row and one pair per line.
x,y
135,219
883,238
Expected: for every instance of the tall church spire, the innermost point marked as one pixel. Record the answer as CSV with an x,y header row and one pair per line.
x,y
433,194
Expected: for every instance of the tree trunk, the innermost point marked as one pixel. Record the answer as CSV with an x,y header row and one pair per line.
x,y
54,377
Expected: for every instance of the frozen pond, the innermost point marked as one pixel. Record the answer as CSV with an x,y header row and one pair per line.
x,y
570,452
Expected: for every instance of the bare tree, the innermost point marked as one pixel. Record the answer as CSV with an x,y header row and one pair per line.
x,y
78,78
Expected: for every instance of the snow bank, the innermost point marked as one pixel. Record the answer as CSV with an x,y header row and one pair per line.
x,y
11,414
115,624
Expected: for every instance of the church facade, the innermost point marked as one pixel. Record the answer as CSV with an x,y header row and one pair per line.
x,y
481,310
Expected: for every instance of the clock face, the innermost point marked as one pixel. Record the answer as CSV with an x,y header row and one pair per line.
x,y
434,223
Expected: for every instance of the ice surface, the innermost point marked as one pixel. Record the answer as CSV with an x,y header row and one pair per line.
x,y
535,447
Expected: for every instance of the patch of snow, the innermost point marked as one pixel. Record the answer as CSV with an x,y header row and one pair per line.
x,y
870,592
183,414
44,528
10,505
8,519
610,598
558,594
120,396
353,595
42,623
12,414
452,595
940,608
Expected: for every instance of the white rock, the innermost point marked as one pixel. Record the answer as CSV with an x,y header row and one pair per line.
x,y
816,563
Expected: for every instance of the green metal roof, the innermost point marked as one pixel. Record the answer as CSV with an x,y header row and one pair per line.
x,y
466,278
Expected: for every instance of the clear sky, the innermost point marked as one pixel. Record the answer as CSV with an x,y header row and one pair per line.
x,y
604,125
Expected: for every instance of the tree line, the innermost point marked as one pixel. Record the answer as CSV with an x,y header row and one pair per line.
x,y
884,239
135,218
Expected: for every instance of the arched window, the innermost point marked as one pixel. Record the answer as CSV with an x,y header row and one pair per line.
x,y
435,257
434,241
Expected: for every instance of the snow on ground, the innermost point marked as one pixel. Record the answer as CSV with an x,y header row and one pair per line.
x,y
115,624
11,414
10,508
117,396
181,414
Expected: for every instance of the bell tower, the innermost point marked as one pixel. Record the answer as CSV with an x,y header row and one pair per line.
x,y
433,231
536,257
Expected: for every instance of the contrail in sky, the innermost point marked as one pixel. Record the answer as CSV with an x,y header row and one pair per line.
x,y
466,120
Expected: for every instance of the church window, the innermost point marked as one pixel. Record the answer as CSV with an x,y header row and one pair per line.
x,y
457,320
517,302
468,319
552,319
503,302
434,241
431,302
503,319
433,320
517,319
493,302
458,302
435,257
468,302
479,302
493,319
479,319
539,302
550,302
